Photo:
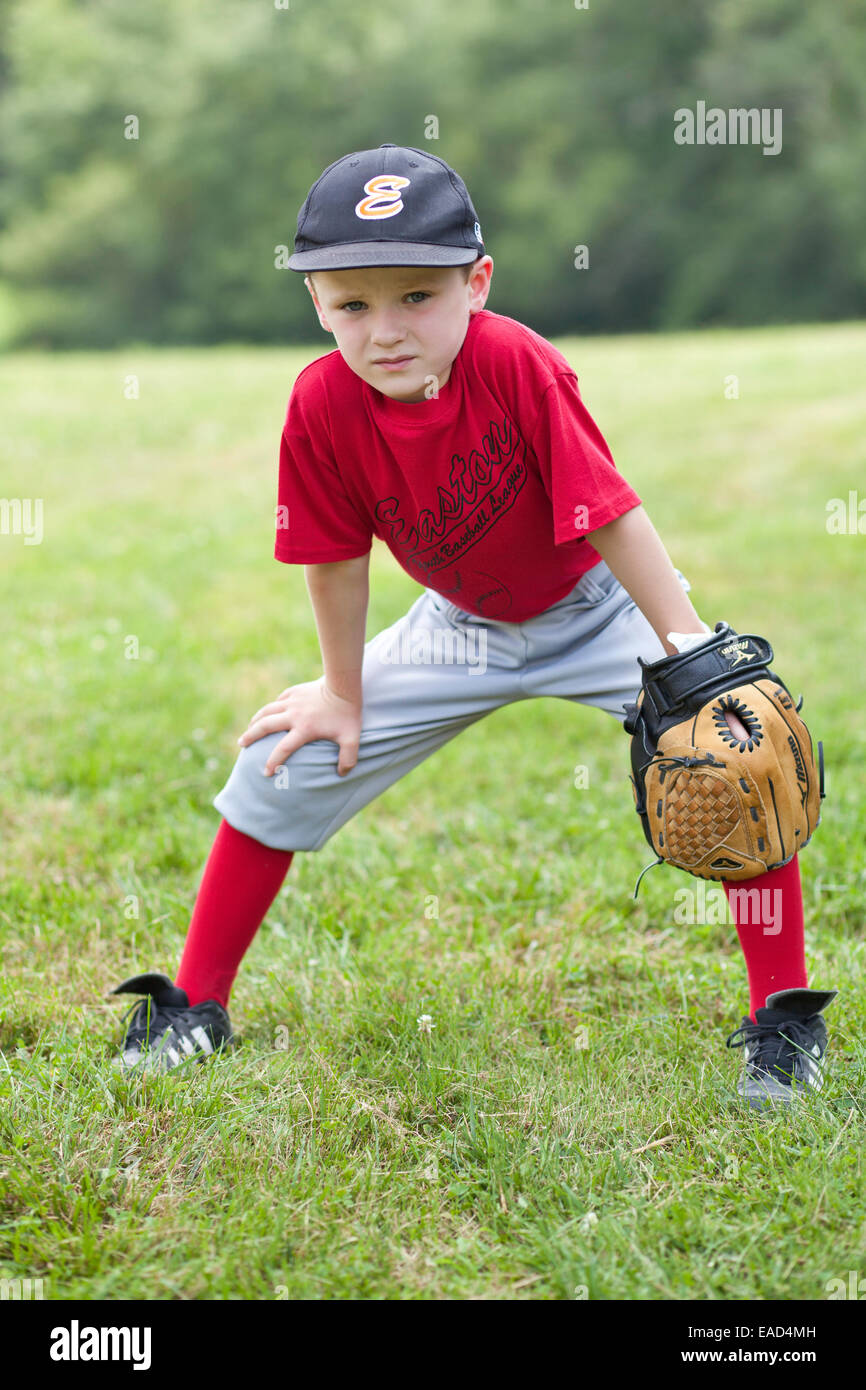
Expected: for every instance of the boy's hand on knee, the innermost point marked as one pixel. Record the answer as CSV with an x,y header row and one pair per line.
x,y
309,711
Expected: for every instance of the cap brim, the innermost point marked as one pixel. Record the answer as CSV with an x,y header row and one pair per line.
x,y
358,255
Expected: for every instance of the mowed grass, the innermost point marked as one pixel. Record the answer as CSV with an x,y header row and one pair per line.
x,y
566,1128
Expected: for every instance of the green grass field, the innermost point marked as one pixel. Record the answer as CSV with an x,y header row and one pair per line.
x,y
566,1129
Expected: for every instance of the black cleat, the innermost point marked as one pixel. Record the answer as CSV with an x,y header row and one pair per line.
x,y
784,1048
165,1032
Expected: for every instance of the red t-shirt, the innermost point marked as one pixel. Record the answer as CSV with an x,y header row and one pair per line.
x,y
485,493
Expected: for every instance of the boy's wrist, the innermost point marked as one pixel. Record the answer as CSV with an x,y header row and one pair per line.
x,y
346,685
687,641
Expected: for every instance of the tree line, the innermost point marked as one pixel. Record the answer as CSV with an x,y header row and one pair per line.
x,y
153,158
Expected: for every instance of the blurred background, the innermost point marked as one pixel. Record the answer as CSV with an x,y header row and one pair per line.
x,y
560,120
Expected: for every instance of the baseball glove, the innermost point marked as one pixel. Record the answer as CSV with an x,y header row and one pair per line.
x,y
710,803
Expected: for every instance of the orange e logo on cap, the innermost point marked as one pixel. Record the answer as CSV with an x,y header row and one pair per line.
x,y
383,198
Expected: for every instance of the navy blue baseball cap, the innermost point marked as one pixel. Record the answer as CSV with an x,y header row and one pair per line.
x,y
391,206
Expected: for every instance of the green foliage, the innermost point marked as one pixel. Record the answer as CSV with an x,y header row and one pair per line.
x,y
561,121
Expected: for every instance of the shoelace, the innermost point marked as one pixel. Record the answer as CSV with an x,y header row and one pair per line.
x,y
148,1028
775,1046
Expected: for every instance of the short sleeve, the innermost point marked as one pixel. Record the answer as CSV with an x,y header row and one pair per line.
x,y
316,521
585,488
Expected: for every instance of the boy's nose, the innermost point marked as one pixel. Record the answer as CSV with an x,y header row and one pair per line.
x,y
387,331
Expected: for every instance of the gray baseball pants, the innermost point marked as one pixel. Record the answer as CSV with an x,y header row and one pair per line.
x,y
428,677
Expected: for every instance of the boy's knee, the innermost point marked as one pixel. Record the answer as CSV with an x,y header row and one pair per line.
x,y
290,804
249,768
247,785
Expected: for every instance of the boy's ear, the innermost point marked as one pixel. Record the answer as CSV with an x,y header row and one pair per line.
x,y
321,317
479,283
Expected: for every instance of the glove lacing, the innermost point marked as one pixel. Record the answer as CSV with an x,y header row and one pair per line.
x,y
666,762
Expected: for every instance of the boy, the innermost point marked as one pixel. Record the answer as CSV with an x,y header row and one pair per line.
x,y
460,438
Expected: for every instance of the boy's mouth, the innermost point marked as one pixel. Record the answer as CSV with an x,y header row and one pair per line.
x,y
391,364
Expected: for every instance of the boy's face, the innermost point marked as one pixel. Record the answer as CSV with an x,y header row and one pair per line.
x,y
400,327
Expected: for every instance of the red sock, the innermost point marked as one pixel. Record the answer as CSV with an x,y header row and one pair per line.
x,y
240,881
768,912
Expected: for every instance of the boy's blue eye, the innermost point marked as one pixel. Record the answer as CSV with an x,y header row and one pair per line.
x,y
416,296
